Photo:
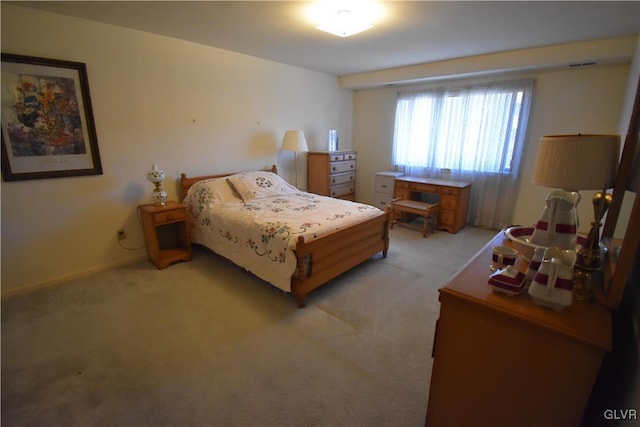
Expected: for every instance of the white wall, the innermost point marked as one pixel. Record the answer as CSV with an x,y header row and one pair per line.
x,y
572,100
156,100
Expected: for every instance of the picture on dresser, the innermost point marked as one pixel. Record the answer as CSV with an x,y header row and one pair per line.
x,y
48,129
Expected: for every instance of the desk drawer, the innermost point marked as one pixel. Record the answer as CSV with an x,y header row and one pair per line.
x,y
345,166
447,218
448,202
382,200
384,184
450,190
342,178
425,188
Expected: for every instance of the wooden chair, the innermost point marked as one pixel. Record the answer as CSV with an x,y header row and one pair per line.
x,y
429,211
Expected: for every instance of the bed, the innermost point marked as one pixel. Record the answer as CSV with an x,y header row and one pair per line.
x,y
296,241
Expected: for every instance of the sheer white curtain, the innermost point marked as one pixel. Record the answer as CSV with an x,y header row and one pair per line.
x,y
477,132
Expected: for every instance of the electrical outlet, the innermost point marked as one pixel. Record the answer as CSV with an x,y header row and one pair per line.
x,y
121,234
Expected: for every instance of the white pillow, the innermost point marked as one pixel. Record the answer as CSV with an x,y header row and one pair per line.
x,y
210,191
259,184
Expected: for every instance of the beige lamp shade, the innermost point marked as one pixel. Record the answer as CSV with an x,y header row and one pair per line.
x,y
294,141
577,162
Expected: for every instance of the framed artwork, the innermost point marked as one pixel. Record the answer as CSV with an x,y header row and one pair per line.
x,y
47,120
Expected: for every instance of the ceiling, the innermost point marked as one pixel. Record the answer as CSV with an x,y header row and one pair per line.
x,y
413,32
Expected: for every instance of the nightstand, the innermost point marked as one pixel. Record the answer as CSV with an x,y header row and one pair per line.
x,y
166,233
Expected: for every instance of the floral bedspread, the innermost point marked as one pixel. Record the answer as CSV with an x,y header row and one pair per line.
x,y
260,235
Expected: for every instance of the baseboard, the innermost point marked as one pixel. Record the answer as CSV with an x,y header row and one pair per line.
x,y
62,279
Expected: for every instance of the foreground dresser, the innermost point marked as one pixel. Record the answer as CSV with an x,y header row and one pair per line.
x,y
504,361
332,173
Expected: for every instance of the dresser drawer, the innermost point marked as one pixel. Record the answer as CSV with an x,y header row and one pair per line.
x,y
342,178
170,216
336,157
345,166
342,190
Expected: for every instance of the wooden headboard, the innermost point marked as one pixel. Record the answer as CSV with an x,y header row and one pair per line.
x,y
186,183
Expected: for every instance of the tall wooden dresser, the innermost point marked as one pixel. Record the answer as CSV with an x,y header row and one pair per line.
x,y
332,173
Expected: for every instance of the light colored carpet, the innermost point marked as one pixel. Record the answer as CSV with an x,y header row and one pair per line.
x,y
206,344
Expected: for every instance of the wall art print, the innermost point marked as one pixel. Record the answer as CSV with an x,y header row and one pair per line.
x,y
47,120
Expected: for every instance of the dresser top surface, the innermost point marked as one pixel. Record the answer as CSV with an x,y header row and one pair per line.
x,y
589,322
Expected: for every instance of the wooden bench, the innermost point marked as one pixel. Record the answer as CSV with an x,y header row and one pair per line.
x,y
429,211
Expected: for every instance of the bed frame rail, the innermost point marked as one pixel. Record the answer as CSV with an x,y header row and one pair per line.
x,y
327,257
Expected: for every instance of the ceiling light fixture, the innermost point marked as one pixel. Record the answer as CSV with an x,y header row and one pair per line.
x,y
345,18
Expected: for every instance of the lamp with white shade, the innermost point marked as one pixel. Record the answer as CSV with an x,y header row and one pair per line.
x,y
295,141
581,162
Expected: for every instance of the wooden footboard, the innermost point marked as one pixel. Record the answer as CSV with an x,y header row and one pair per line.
x,y
325,258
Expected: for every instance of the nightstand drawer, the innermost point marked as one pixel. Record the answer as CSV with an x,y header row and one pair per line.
x,y
170,216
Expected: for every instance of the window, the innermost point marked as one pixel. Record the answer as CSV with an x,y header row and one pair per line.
x,y
476,132
467,129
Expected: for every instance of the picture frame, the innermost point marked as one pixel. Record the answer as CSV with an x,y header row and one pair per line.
x,y
48,129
